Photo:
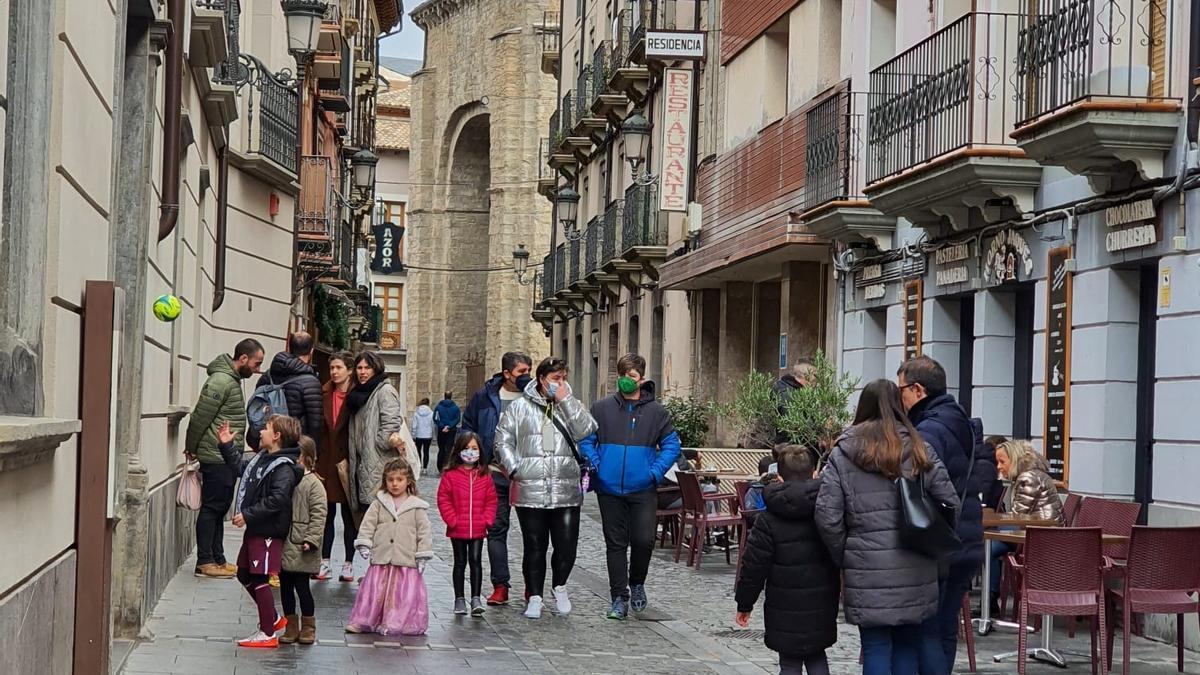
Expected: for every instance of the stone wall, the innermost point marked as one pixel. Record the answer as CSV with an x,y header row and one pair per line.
x,y
37,625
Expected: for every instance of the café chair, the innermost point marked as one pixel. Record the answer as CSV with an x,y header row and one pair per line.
x,y
1070,508
695,513
1113,518
668,519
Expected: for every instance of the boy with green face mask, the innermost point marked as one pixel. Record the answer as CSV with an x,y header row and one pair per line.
x,y
632,449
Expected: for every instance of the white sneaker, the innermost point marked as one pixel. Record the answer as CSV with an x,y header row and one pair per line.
x,y
533,610
561,600
326,571
347,572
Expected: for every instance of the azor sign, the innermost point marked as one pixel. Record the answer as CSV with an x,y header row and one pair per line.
x,y
676,173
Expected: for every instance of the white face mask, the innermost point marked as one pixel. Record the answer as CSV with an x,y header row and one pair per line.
x,y
469,456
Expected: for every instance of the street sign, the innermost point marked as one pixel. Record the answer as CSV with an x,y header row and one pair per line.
x,y
674,45
387,259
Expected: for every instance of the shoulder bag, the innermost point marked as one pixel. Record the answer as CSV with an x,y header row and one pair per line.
x,y
927,526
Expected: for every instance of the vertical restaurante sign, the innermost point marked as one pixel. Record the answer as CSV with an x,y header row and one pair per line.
x,y
1058,363
676,139
914,292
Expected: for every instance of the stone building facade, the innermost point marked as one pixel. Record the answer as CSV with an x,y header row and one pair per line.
x,y
478,107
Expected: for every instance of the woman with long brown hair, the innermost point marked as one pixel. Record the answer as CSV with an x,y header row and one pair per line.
x,y
335,449
889,590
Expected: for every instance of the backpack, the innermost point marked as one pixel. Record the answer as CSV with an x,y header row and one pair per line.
x,y
266,401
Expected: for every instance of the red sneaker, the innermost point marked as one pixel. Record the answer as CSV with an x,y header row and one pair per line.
x,y
260,641
280,623
499,596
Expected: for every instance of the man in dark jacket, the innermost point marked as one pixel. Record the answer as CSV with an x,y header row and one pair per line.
x,y
482,416
293,371
446,417
945,428
264,508
632,449
785,553
220,402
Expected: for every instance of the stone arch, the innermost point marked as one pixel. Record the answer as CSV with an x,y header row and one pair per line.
x,y
465,118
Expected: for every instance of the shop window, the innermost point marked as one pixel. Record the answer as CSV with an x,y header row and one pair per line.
x,y
395,213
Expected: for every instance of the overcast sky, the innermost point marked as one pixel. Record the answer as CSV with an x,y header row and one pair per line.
x,y
408,43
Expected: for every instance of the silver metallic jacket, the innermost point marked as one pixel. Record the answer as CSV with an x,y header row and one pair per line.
x,y
1034,494
544,471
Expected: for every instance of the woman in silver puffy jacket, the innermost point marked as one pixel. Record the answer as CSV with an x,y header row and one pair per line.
x,y
1031,492
544,468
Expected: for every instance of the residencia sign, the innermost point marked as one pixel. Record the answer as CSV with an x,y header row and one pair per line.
x,y
674,45
676,172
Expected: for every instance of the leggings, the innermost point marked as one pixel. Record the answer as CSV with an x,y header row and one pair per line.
x,y
423,449
813,664
468,551
539,527
349,532
260,592
291,585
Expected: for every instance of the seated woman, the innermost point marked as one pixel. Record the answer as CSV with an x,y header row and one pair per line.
x,y
1031,492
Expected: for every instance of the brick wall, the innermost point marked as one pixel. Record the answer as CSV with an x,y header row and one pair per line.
x,y
744,20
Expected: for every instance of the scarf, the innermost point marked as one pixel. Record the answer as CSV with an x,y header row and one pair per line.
x,y
358,396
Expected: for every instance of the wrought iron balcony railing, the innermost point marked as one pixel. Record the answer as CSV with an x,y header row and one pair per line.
x,y
316,209
333,13
622,40
642,226
955,89
556,135
1075,50
346,255
363,134
567,113
573,261
600,70
833,152
544,170
551,32
592,237
584,93
548,286
272,113
614,223
560,268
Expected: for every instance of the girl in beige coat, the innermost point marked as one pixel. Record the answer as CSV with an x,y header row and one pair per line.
x,y
302,550
395,536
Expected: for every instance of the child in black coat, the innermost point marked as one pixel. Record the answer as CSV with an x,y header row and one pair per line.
x,y
785,553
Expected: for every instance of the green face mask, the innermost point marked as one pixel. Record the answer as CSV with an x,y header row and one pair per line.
x,y
626,385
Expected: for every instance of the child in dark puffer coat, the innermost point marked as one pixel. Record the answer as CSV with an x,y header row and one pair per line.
x,y
467,501
785,553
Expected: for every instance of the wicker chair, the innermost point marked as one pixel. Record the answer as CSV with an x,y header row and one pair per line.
x,y
1112,517
1070,508
1161,575
1062,574
695,513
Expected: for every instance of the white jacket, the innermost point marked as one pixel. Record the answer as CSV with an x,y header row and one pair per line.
x,y
422,422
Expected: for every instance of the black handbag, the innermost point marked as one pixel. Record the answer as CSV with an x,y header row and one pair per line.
x,y
926,526
587,473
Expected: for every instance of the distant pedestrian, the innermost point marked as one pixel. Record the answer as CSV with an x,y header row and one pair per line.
x,y
447,417
264,507
395,536
302,550
785,554
292,371
795,379
333,465
482,415
889,590
633,448
423,430
220,402
536,443
467,502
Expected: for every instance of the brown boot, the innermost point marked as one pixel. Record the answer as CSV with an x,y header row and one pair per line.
x,y
291,631
308,630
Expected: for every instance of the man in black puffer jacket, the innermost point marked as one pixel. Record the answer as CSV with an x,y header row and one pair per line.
x,y
785,552
293,370
944,426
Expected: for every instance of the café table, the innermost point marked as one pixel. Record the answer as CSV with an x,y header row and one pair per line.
x,y
1046,651
992,520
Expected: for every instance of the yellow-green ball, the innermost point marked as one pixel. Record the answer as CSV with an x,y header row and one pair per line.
x,y
167,308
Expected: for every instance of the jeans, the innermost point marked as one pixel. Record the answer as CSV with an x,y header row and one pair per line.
x,y
629,527
540,527
349,531
216,494
498,533
293,585
445,441
939,646
998,550
890,650
467,551
814,664
423,450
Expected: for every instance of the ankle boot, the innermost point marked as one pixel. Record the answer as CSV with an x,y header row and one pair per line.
x,y
291,631
308,630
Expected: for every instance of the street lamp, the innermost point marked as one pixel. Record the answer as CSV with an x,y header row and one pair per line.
x,y
363,165
636,131
521,266
567,201
303,26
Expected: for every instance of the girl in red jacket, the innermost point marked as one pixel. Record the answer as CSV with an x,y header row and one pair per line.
x,y
467,501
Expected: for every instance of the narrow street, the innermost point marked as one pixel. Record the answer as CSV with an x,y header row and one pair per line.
x,y
689,628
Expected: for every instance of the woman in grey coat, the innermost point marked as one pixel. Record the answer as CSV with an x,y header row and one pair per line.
x,y
375,417
889,590
533,447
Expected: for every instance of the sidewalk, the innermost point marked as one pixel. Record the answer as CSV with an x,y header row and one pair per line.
x,y
689,628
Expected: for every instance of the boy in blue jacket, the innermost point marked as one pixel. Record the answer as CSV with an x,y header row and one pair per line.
x,y
632,449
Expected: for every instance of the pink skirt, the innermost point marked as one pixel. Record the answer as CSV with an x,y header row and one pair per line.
x,y
391,601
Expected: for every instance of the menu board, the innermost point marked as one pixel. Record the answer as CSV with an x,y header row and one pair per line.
x,y
914,293
1058,363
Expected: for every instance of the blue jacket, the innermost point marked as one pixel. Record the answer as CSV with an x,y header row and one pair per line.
x,y
447,414
483,414
634,444
944,426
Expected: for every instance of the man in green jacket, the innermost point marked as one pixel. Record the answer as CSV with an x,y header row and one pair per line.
x,y
220,401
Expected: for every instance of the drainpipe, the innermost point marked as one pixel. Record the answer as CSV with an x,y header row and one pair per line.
x,y
169,206
222,227
1193,111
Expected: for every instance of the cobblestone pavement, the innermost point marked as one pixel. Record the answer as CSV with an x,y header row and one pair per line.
x,y
689,628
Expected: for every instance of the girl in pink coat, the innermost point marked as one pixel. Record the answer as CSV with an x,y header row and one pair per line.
x,y
467,501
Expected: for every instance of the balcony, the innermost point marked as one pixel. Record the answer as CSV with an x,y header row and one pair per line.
x,y
587,123
335,77
1096,89
551,42
559,157
626,76
654,15
209,40
342,272
568,132
219,101
269,135
331,28
555,289
547,178
607,102
643,235
587,283
834,205
316,215
938,123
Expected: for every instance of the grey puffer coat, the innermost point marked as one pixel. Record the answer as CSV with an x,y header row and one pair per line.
x,y
542,477
369,450
859,518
